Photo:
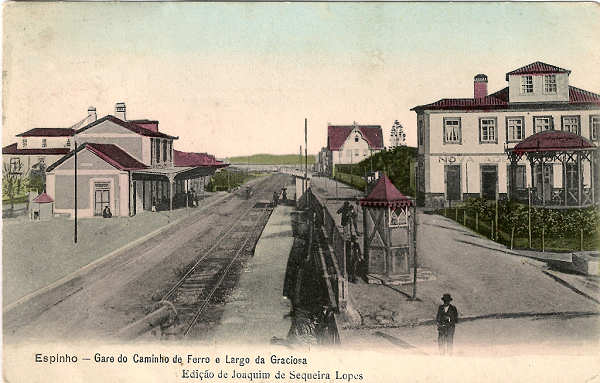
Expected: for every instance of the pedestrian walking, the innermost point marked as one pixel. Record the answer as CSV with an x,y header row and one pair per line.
x,y
447,317
284,194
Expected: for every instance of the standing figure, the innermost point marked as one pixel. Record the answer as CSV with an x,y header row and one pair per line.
x,y
275,199
106,213
284,194
348,218
447,317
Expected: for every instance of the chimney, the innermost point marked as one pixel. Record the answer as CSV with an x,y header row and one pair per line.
x,y
120,111
92,116
480,86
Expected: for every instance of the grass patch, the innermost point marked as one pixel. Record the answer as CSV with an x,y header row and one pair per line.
x,y
271,159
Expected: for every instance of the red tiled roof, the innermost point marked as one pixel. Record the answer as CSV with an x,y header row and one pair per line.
x,y
48,132
146,124
128,125
110,153
12,149
537,67
195,159
499,100
43,198
115,156
552,141
337,135
385,194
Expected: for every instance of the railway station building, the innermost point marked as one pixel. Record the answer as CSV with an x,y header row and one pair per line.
x,y
538,135
128,165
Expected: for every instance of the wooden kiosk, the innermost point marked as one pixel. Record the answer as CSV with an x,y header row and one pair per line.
x,y
389,231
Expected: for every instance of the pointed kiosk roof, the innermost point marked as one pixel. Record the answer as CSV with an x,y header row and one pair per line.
x,y
385,194
43,198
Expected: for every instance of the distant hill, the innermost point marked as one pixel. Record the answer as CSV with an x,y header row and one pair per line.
x,y
270,159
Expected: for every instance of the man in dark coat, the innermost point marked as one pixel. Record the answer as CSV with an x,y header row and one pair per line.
x,y
447,317
348,218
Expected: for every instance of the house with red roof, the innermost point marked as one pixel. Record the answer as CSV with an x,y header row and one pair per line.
x,y
348,144
463,142
36,149
128,165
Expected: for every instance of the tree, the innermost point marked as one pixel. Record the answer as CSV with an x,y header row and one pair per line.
x,y
12,181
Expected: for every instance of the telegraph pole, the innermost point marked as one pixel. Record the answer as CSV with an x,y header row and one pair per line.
x,y
75,199
306,153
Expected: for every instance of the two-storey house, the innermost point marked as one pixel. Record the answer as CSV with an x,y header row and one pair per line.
x,y
38,148
127,165
350,144
464,144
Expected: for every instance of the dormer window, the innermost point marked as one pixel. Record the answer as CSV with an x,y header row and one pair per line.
x,y
526,84
44,143
356,138
68,143
550,83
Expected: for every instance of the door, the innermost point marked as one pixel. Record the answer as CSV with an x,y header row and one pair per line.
x,y
453,182
489,181
544,182
101,197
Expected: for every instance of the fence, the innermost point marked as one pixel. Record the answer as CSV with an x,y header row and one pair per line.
x,y
334,256
505,233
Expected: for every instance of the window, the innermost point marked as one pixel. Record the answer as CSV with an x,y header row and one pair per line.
x,y
420,131
356,138
487,130
452,131
542,123
570,124
24,142
44,143
15,165
515,128
550,83
164,145
68,143
170,150
594,127
157,150
526,84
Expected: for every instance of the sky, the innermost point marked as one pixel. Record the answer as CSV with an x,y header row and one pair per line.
x,y
240,78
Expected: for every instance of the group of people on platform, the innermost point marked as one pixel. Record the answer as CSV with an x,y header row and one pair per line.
x,y
276,195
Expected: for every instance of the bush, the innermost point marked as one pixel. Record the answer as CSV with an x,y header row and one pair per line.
x,y
396,163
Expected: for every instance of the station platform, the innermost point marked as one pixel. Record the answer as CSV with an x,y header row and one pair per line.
x,y
256,310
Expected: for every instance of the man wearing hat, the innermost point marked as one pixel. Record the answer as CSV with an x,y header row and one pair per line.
x,y
447,317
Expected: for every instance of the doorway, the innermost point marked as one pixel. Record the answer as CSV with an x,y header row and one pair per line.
x,y
101,196
489,181
544,181
452,182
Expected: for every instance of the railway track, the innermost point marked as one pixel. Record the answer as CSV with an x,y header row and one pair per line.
x,y
198,295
